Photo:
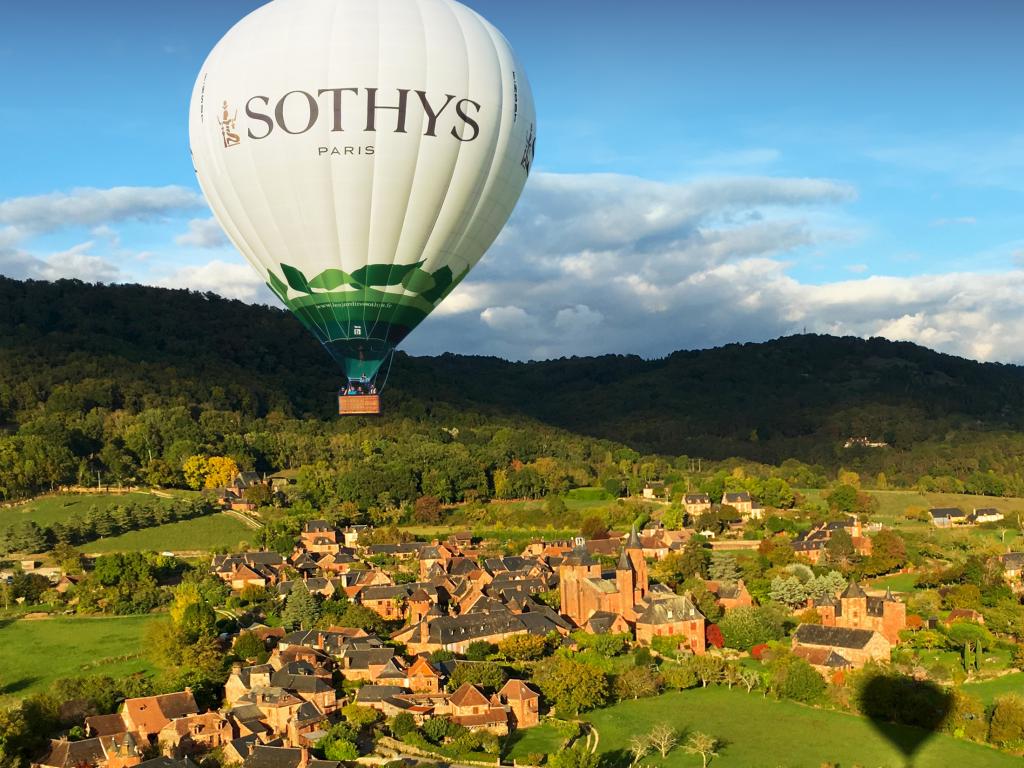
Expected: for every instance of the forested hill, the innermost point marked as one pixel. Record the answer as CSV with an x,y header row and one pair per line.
x,y
800,396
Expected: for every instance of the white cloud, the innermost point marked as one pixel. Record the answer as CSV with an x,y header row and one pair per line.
x,y
202,233
591,264
577,319
508,319
230,279
78,263
608,264
89,207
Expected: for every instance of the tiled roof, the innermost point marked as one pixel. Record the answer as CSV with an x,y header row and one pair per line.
x,y
468,695
515,690
151,713
105,725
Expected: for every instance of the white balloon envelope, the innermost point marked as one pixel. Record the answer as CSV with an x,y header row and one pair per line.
x,y
362,155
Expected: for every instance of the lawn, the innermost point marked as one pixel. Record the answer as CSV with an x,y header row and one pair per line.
x,y
542,739
34,653
900,582
763,733
988,690
52,508
201,533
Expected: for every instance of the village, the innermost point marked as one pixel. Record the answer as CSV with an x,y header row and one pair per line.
x,y
463,629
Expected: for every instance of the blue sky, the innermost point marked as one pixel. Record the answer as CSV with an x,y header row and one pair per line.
x,y
848,168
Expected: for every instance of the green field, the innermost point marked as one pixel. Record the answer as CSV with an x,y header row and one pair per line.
x,y
893,506
763,733
541,739
34,653
52,508
988,690
201,533
900,582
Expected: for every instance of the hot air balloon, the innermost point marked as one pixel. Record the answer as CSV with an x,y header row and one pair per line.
x,y
362,155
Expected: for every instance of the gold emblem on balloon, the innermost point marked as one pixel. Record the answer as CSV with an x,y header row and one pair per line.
x,y
227,121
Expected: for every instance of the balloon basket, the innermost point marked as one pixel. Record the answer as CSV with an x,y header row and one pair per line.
x,y
353,405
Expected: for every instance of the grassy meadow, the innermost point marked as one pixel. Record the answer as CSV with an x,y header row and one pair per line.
x,y
201,533
763,733
35,652
894,504
541,739
56,507
989,690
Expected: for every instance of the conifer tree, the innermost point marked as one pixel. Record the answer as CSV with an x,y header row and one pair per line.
x,y
300,609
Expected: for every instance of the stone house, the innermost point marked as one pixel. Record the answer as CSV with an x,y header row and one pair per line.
x,y
856,646
675,617
855,609
522,701
195,733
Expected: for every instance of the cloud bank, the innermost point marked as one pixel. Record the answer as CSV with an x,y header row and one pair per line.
x,y
589,264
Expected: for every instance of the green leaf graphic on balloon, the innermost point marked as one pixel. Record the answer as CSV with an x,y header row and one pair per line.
x,y
295,278
330,279
430,286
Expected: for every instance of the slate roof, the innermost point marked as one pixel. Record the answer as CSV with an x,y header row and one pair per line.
x,y
273,757
696,498
299,683
1013,560
364,659
166,762
601,622
70,754
670,610
579,556
377,692
839,637
853,590
822,657
317,526
946,512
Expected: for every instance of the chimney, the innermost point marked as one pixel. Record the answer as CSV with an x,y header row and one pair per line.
x,y
304,757
236,668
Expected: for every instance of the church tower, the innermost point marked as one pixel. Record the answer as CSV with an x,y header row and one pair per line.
x,y
625,581
574,569
635,551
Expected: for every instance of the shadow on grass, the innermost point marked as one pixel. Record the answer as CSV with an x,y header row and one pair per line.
x,y
510,742
906,712
17,686
616,758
